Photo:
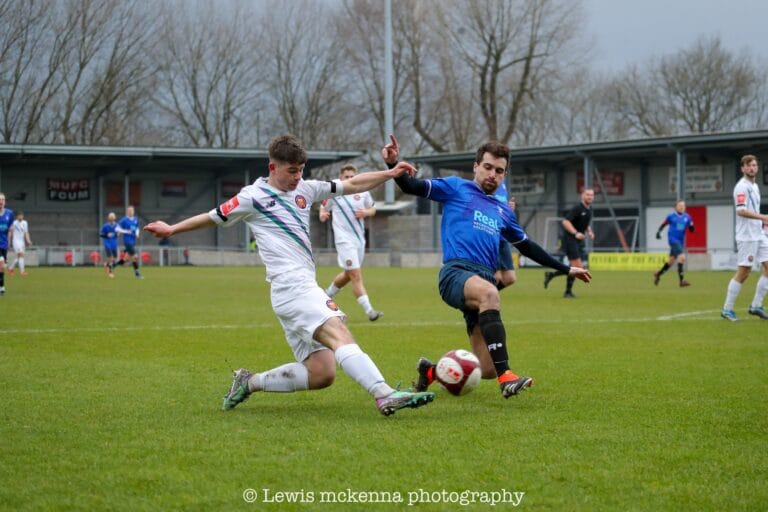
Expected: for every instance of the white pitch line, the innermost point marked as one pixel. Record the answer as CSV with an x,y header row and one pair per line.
x,y
139,328
688,314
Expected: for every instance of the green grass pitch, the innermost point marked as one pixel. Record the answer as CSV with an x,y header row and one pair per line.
x,y
644,399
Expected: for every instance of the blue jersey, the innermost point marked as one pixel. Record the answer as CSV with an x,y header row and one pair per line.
x,y
131,225
501,193
109,233
473,222
6,221
678,224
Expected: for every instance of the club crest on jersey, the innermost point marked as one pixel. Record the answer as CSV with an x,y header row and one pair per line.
x,y
301,202
331,305
230,205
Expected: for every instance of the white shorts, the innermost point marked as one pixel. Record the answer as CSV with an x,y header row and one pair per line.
x,y
302,306
18,246
752,252
349,255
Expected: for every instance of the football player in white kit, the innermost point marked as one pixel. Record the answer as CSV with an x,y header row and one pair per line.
x,y
751,241
277,209
19,235
348,214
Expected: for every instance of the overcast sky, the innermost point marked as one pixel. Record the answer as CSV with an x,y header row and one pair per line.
x,y
630,31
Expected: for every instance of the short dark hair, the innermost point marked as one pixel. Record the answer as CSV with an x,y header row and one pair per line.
x,y
495,148
746,159
348,167
287,149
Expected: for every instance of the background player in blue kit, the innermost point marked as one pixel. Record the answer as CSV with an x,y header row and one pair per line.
x,y
678,221
108,233
505,268
6,221
473,223
128,226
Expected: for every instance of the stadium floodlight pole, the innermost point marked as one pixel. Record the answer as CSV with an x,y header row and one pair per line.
x,y
389,124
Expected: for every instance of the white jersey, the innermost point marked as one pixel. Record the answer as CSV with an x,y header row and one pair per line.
x,y
279,222
746,196
20,228
347,228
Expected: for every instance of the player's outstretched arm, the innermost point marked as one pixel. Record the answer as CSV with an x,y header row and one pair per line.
x,y
161,229
370,180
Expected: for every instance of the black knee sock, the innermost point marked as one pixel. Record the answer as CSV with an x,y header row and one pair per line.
x,y
664,268
495,337
680,270
569,284
120,263
2,278
136,266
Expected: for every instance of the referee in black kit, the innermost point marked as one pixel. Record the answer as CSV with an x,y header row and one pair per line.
x,y
576,229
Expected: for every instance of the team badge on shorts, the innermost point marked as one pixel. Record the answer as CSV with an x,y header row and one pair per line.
x,y
301,202
348,263
751,259
331,305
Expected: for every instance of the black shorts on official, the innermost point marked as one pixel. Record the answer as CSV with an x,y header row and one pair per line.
x,y
451,281
574,249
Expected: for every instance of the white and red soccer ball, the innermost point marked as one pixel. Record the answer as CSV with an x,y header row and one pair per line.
x,y
458,371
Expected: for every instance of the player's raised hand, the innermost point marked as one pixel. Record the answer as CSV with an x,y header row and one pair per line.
x,y
159,229
581,274
391,152
403,167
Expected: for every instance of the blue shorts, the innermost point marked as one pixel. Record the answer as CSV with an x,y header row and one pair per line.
x,y
505,257
676,249
130,249
452,277
111,252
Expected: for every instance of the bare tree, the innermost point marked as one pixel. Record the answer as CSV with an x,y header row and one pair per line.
x,y
708,88
105,69
702,89
31,55
209,79
511,48
306,83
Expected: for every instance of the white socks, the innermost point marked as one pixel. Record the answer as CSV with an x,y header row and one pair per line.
x,y
332,290
283,379
21,263
760,291
365,303
734,287
363,370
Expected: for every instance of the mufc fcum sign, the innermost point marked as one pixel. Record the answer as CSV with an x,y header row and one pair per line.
x,y
69,190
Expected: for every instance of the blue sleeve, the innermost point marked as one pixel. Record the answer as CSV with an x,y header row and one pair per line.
x,y
443,189
511,230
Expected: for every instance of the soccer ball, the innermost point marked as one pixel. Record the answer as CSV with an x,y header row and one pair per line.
x,y
458,371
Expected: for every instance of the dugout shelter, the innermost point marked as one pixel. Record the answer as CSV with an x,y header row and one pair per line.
x,y
67,191
636,185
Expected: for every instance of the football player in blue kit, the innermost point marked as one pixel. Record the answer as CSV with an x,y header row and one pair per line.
x,y
679,222
109,234
473,224
6,221
128,226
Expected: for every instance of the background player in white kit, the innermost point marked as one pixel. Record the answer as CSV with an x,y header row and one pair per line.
x,y
349,213
277,209
751,241
19,235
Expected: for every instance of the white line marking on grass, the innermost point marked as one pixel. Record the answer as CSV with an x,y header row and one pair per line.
x,y
708,315
688,314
